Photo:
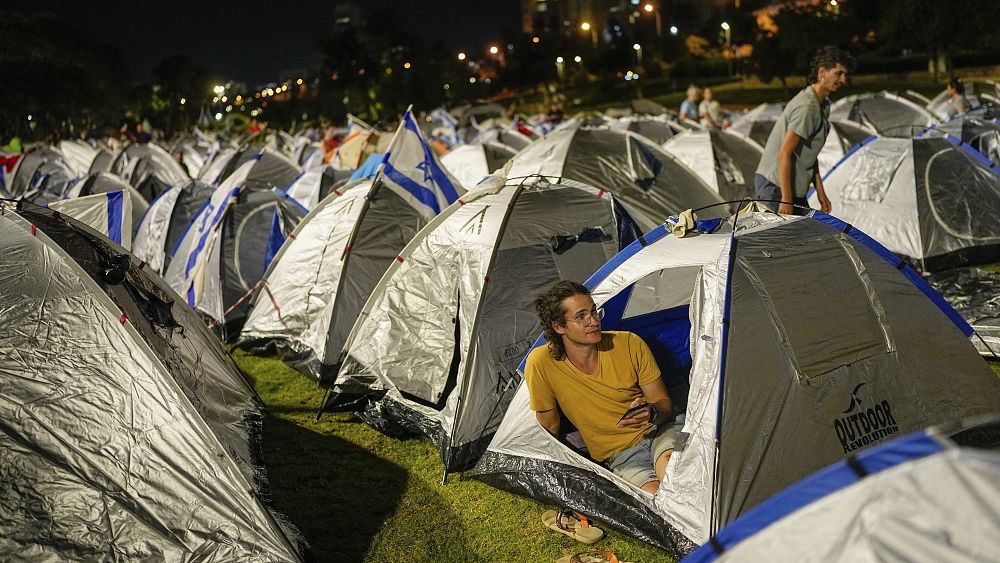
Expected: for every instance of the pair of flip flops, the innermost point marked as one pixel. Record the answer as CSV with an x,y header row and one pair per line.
x,y
590,557
572,524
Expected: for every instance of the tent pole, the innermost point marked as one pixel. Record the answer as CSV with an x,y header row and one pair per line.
x,y
444,476
322,405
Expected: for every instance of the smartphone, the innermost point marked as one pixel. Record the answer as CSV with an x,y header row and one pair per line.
x,y
633,411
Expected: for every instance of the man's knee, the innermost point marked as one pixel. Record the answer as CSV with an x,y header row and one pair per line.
x,y
651,487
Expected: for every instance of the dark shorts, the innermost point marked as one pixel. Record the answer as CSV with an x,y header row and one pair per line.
x,y
770,195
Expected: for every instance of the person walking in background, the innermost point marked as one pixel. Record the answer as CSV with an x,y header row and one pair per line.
x,y
689,107
789,163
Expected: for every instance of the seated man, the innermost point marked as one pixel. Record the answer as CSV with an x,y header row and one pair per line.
x,y
594,377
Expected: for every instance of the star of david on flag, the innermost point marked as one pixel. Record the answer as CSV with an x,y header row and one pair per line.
x,y
411,170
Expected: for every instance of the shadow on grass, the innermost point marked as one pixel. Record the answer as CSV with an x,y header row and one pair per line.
x,y
338,494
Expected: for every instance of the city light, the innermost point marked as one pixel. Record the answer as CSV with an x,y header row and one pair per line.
x,y
673,30
461,56
225,99
406,65
183,101
218,89
725,26
577,58
636,46
585,26
648,7
472,80
494,50
299,82
535,39
559,60
218,116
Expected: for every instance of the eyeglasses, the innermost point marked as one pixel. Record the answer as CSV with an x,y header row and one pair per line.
x,y
585,316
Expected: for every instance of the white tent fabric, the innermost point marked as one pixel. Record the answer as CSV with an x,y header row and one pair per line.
x,y
107,213
470,164
771,369
296,302
105,456
722,160
78,156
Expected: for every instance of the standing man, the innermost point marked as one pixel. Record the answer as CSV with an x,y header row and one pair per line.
x,y
790,156
606,383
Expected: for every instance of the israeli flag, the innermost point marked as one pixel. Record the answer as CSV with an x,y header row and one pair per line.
x,y
411,170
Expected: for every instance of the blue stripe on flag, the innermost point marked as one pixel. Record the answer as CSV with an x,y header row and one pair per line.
x,y
193,257
115,202
421,193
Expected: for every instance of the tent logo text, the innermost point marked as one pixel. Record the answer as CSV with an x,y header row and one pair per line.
x,y
866,425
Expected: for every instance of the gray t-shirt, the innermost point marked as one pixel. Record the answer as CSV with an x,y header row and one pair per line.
x,y
811,122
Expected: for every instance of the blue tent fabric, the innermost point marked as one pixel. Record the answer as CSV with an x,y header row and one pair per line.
x,y
817,486
115,204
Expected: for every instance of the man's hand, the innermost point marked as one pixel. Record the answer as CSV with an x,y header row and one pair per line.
x,y
824,202
786,208
638,419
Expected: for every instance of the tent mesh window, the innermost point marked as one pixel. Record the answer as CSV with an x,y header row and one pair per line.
x,y
961,193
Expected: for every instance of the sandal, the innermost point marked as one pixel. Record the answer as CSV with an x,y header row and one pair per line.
x,y
590,557
572,524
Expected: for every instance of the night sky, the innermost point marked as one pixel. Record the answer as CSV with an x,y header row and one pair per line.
x,y
255,41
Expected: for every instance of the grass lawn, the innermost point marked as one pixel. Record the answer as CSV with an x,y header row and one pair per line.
x,y
358,495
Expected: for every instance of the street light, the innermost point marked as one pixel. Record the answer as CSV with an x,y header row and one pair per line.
x,y
673,30
560,68
585,26
461,56
729,54
650,9
638,54
493,49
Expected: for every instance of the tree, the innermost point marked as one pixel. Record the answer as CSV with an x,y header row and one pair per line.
x,y
940,27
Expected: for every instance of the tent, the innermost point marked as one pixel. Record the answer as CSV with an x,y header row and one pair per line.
x,y
981,134
165,222
757,123
215,163
106,456
148,168
324,273
40,176
655,128
316,183
105,182
471,163
724,161
77,155
228,246
101,162
979,93
108,213
633,168
921,497
436,347
842,138
932,200
268,169
788,342
884,113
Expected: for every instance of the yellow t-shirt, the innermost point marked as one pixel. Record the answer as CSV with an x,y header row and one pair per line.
x,y
595,403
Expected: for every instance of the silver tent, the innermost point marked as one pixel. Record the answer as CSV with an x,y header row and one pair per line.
x,y
105,456
436,347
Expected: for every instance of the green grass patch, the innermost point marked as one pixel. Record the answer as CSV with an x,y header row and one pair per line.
x,y
358,495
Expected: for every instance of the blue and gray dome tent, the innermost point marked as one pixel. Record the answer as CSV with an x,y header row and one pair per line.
x,y
933,200
775,335
924,496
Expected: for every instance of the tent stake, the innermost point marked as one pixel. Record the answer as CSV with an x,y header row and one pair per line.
x,y
322,405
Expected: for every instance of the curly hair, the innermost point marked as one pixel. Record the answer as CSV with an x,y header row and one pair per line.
x,y
550,311
829,57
